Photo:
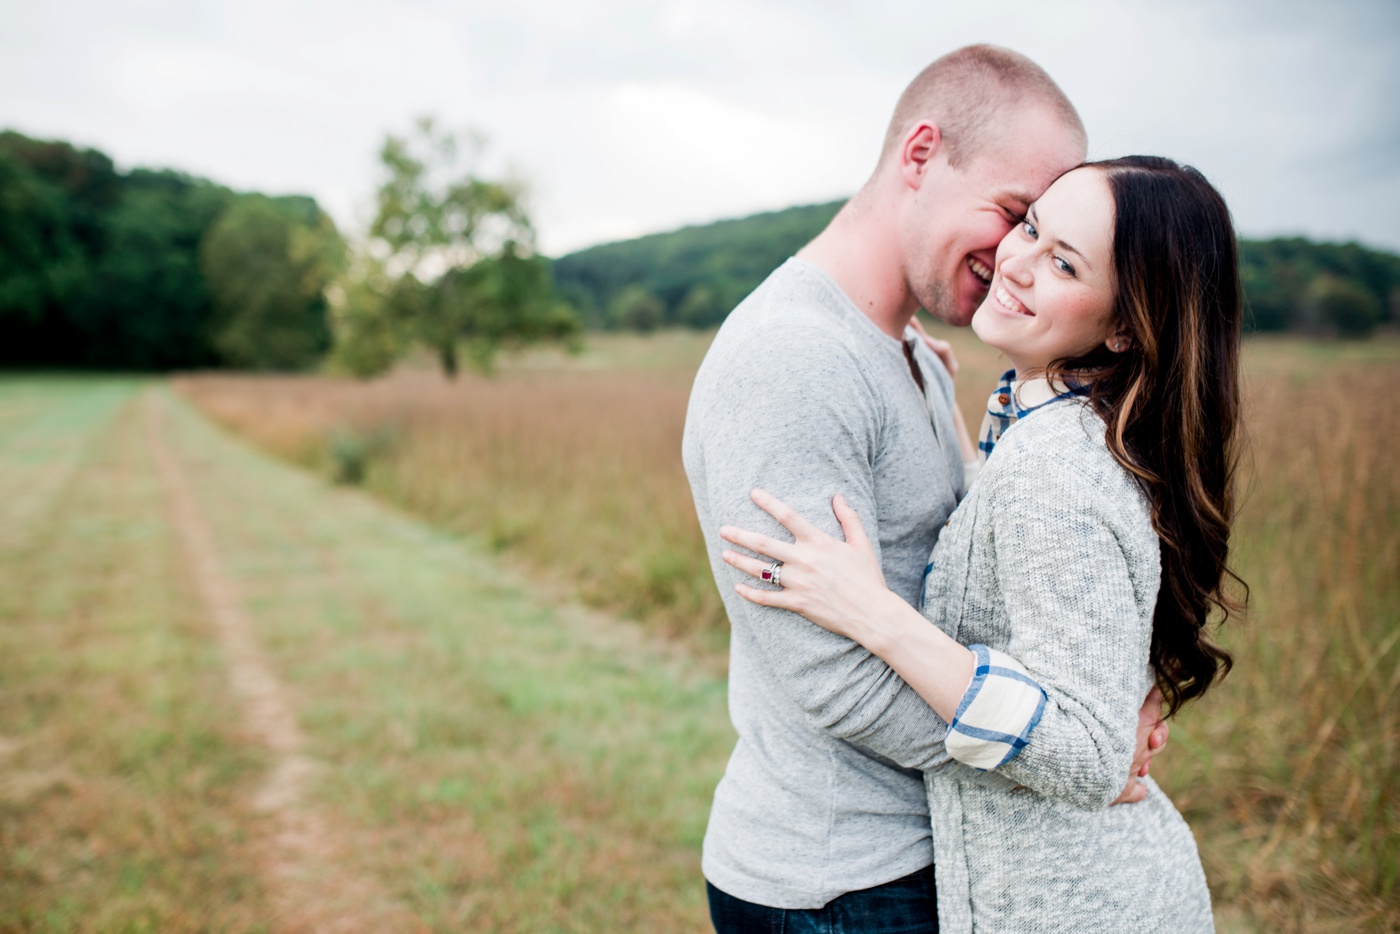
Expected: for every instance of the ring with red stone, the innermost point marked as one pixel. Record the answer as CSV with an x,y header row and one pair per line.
x,y
773,574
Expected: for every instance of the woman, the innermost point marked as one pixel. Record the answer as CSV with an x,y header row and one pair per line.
x,y
1081,567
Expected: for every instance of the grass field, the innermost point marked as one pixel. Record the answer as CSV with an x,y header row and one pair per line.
x,y
464,748
478,758
1289,773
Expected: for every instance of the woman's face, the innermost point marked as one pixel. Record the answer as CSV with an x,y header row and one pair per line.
x,y
1052,290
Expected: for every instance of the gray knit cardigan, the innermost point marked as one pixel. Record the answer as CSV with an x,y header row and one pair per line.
x,y
1052,559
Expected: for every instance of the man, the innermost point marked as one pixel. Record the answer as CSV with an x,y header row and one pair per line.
x,y
813,387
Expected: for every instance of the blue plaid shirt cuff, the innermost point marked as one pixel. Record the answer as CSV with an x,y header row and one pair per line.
x,y
1000,708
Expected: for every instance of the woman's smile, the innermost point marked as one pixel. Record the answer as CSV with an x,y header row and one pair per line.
x,y
1010,303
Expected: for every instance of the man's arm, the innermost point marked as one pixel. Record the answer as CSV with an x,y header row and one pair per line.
x,y
805,432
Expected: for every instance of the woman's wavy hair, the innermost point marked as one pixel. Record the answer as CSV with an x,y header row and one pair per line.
x,y
1172,399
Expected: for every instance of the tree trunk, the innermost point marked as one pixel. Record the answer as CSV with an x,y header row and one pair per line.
x,y
447,354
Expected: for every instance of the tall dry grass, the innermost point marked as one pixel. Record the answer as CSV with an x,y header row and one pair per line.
x,y
578,472
1288,772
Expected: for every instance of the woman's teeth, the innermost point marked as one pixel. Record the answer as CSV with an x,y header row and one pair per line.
x,y
1010,304
980,270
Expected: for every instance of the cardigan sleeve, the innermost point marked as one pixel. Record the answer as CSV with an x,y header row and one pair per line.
x,y
1071,557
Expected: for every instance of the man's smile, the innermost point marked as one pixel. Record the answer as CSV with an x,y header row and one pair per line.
x,y
981,270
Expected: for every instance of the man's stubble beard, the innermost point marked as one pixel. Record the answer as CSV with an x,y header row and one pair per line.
x,y
941,303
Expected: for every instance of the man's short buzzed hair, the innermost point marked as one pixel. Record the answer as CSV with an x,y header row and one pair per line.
x,y
964,92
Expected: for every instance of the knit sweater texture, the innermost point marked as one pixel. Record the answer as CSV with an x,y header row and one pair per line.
x,y
1052,559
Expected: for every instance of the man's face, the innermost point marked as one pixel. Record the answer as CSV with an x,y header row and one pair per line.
x,y
958,216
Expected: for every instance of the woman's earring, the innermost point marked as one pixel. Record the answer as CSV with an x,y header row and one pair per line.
x,y
1118,344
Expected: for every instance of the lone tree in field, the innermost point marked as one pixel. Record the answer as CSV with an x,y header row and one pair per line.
x,y
457,253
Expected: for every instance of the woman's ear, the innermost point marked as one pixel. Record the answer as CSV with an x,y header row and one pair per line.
x,y
1119,342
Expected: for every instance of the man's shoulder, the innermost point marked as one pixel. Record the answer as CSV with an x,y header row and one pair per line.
x,y
796,323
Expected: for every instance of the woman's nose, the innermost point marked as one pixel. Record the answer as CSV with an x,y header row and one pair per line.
x,y
1016,266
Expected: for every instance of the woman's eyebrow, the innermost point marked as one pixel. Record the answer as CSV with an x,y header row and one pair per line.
x,y
1030,212
1069,249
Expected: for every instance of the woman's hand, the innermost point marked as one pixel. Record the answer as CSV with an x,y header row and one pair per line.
x,y
941,348
837,585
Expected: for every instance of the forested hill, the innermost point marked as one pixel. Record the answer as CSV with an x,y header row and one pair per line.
x,y
153,268
695,275
692,276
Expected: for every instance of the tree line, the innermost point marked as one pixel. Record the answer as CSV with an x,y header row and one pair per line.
x,y
153,269
695,275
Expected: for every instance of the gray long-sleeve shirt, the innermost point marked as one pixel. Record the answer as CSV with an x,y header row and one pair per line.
x,y
803,395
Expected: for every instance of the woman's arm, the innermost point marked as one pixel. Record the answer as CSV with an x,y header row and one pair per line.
x,y
1075,561
840,587
986,698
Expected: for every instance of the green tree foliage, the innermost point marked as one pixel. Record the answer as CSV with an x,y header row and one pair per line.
x,y
103,269
267,263
366,338
1346,307
51,199
149,307
701,308
1285,279
457,252
636,308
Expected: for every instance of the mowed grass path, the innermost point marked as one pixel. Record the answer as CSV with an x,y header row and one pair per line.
x,y
476,758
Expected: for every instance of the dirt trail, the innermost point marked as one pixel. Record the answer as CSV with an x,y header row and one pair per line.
x,y
297,852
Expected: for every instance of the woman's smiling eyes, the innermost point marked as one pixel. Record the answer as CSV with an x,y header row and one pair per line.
x,y
1060,263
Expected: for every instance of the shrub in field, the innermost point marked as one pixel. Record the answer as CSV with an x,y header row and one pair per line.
x,y
352,450
1347,308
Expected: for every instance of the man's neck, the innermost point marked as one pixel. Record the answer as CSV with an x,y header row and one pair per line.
x,y
862,258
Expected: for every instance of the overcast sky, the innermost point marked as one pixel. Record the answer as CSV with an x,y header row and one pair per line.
x,y
631,116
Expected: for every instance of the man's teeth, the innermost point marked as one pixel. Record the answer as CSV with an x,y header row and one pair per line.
x,y
1009,303
980,270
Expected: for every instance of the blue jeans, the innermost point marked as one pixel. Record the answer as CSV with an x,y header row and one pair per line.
x,y
904,906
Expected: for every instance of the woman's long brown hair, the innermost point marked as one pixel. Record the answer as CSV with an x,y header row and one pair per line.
x,y
1172,400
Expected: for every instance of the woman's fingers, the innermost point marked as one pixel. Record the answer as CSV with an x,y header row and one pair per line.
x,y
753,541
754,567
942,349
790,518
779,599
850,522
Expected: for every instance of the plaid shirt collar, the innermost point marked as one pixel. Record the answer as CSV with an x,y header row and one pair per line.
x,y
1013,400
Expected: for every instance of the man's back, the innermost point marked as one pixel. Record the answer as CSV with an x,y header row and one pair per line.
x,y
803,395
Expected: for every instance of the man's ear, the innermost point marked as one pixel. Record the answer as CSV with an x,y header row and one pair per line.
x,y
921,145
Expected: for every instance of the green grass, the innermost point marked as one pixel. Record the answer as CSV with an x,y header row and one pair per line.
x,y
494,762
499,761
120,776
